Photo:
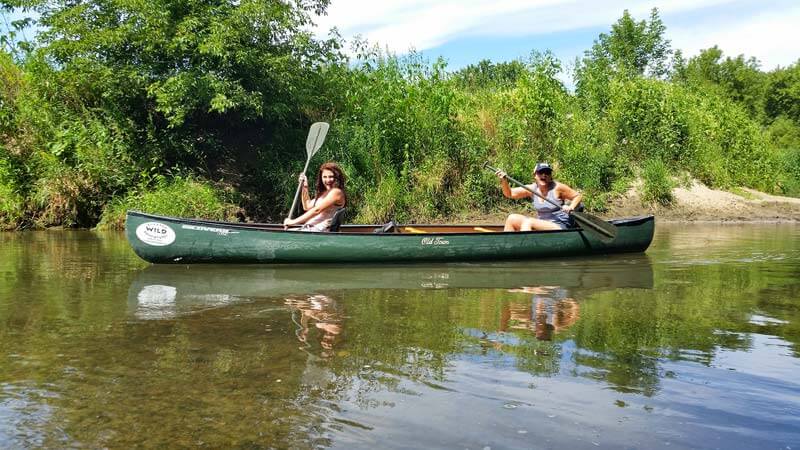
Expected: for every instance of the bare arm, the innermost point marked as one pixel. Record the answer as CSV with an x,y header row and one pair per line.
x,y
334,197
567,193
508,191
304,193
518,192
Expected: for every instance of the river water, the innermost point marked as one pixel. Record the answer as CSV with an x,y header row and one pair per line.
x,y
693,344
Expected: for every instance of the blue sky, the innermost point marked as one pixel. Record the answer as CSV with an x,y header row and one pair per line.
x,y
467,31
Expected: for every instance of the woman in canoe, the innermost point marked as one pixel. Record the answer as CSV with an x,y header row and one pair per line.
x,y
549,217
330,196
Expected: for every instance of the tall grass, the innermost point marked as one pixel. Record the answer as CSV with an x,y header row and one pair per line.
x,y
181,197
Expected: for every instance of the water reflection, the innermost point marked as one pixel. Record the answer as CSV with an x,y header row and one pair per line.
x,y
321,313
695,343
550,311
165,291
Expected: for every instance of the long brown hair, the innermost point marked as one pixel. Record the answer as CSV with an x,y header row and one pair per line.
x,y
338,176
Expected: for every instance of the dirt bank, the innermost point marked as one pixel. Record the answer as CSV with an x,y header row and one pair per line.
x,y
696,203
699,203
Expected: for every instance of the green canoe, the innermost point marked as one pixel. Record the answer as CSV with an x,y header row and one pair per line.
x,y
169,240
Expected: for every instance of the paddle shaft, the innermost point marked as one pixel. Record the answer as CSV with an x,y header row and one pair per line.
x,y
299,186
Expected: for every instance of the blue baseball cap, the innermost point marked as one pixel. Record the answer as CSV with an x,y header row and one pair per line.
x,y
542,166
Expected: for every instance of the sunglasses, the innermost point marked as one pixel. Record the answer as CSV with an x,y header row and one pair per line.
x,y
544,172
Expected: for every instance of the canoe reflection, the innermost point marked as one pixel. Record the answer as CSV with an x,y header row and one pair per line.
x,y
160,292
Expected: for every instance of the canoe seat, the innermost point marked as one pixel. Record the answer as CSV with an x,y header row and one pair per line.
x,y
388,227
336,220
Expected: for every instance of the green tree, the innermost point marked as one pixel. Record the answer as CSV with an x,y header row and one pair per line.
x,y
197,68
739,78
215,88
633,48
783,93
486,74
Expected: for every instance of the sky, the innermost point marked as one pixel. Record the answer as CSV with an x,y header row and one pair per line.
x,y
464,32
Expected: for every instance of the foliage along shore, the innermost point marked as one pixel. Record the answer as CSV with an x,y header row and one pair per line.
x,y
201,110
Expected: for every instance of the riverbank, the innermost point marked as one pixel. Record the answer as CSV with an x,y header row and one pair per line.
x,y
699,203
695,203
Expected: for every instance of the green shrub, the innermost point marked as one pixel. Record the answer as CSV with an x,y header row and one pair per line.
x,y
179,197
658,184
10,84
387,202
650,120
789,182
12,204
84,138
60,195
784,133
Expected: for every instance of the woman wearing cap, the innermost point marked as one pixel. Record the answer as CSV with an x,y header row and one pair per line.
x,y
549,217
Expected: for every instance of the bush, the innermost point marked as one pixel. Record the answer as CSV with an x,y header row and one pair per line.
x,y
730,148
789,182
657,182
179,197
12,204
784,133
82,137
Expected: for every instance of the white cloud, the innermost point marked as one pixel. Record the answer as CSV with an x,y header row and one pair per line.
x,y
400,25
767,36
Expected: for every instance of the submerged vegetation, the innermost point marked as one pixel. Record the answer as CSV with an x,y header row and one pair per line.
x,y
201,109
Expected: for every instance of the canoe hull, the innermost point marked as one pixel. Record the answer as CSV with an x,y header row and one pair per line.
x,y
167,240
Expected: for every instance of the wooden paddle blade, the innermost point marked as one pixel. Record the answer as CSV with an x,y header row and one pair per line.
x,y
605,231
316,136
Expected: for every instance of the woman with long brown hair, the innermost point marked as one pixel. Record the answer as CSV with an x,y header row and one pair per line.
x,y
330,196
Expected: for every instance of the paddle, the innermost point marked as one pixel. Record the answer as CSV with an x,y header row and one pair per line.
x,y
604,231
316,136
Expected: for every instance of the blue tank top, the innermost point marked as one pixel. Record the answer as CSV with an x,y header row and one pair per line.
x,y
548,211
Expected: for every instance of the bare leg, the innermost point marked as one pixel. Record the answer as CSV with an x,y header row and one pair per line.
x,y
514,222
538,224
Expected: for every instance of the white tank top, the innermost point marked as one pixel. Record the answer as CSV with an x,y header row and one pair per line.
x,y
322,221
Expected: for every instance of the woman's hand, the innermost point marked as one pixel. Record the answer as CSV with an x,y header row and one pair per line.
x,y
302,179
287,223
500,174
